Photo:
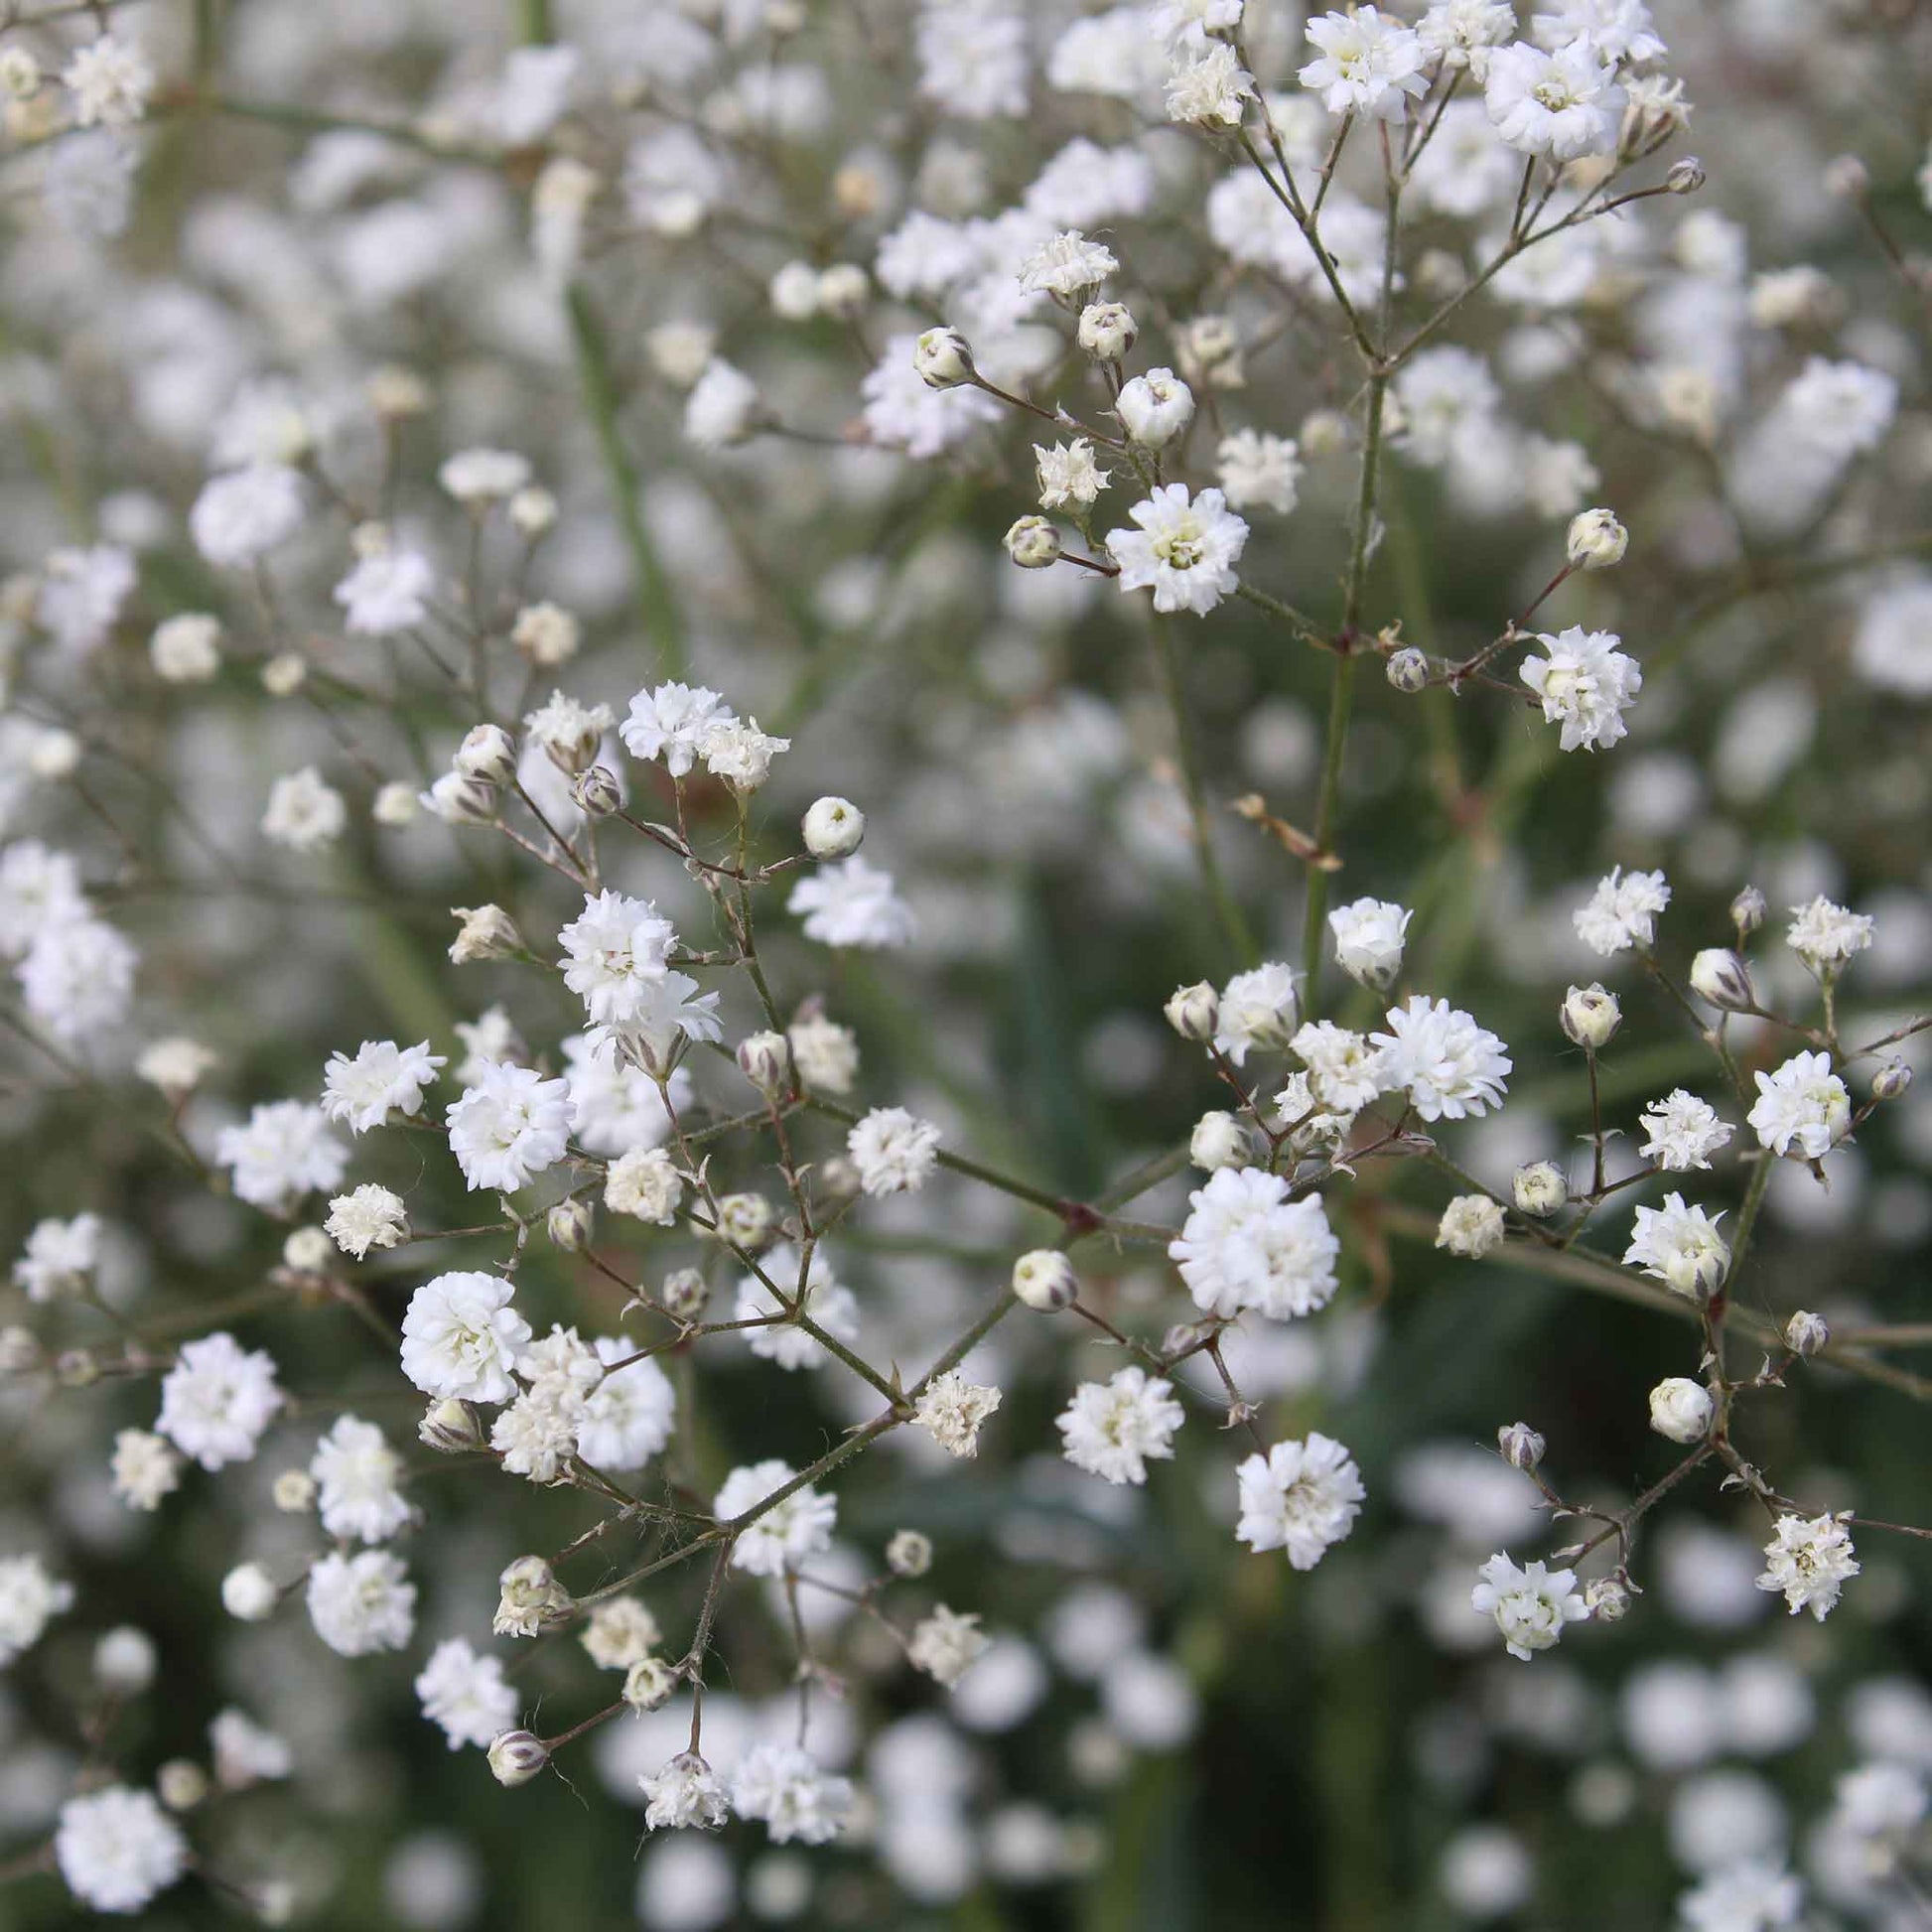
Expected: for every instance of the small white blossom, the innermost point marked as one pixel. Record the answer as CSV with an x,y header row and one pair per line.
x,y
117,1849
1257,1008
1530,1606
1366,64
786,1533
1587,685
1802,1107
461,1336
1681,1410
1683,1132
1257,472
145,1468
1246,1245
466,1695
1450,1067
59,1258
1681,1247
1810,1561
381,1079
217,1400
367,1217
1825,936
303,812
362,1604
893,1151
951,1409
1110,1429
1212,91
684,1795
356,1475
510,1126
1472,1227
1565,105
946,1644
853,903
29,1600
1301,1497
1622,912
785,1789
1369,936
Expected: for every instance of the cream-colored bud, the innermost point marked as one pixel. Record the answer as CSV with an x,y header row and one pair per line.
x,y
1043,1279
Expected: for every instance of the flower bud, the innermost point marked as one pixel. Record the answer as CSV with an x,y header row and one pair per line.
x,y
683,1293
648,1683
568,1224
451,1427
1890,1081
1408,669
285,674
1043,1279
20,1350
1596,540
1847,179
1034,543
838,1179
307,1251
1748,912
1107,331
487,932
124,1661
909,1553
1681,1410
943,358
1154,408
1521,1446
488,752
516,1756
1720,977
531,1597
248,1593
1195,1012
76,1368
295,1492
1590,1016
532,510
460,801
395,804
747,1221
842,290
1540,1188
765,1060
596,793
1220,1141
180,1784
1607,1598
832,828
1686,176
1807,1335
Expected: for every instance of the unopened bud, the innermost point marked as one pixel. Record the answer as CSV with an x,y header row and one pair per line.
x,y
747,1221
1686,176
458,800
1720,976
1107,331
451,1427
1590,1016
180,1784
832,828
909,1553
568,1224
1195,1012
76,1368
307,1251
516,1756
1807,1335
487,932
1220,1141
943,358
683,1293
1034,543
488,752
597,792
765,1060
1890,1081
1607,1598
1522,1447
248,1593
1043,1279
1596,540
1847,177
1540,1188
1408,669
395,804
295,1492
534,510
1748,912
648,1683
532,1597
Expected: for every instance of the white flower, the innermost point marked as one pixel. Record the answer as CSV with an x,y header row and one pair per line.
x,y
1893,648
367,1217
461,1336
946,1644
1472,1227
1191,23
1210,89
1752,1895
39,889
362,1604
893,1151
282,1151
612,951
111,82
1154,408
828,1301
1370,937
117,1849
1530,1606
1810,1561
1450,1066
1683,1132
1622,912
904,412
1111,1428
668,1013
1258,1009
1462,31
790,1794
1681,1247
185,649
382,1078
853,903
615,1107
1344,1071
1067,473
477,477
81,593
78,979
1301,1497
1565,105
1619,30
785,1534
1246,1245
386,592
1681,1410
509,1127
356,1473
1803,1106
145,1468
1587,685
218,1399
304,812
1257,472
466,1695
741,754
824,1055
243,514
723,407
1066,264
627,1417
672,722
29,1599
1825,936
1882,1804
1367,63
622,1631
59,1258
646,1182
684,1794
951,1410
